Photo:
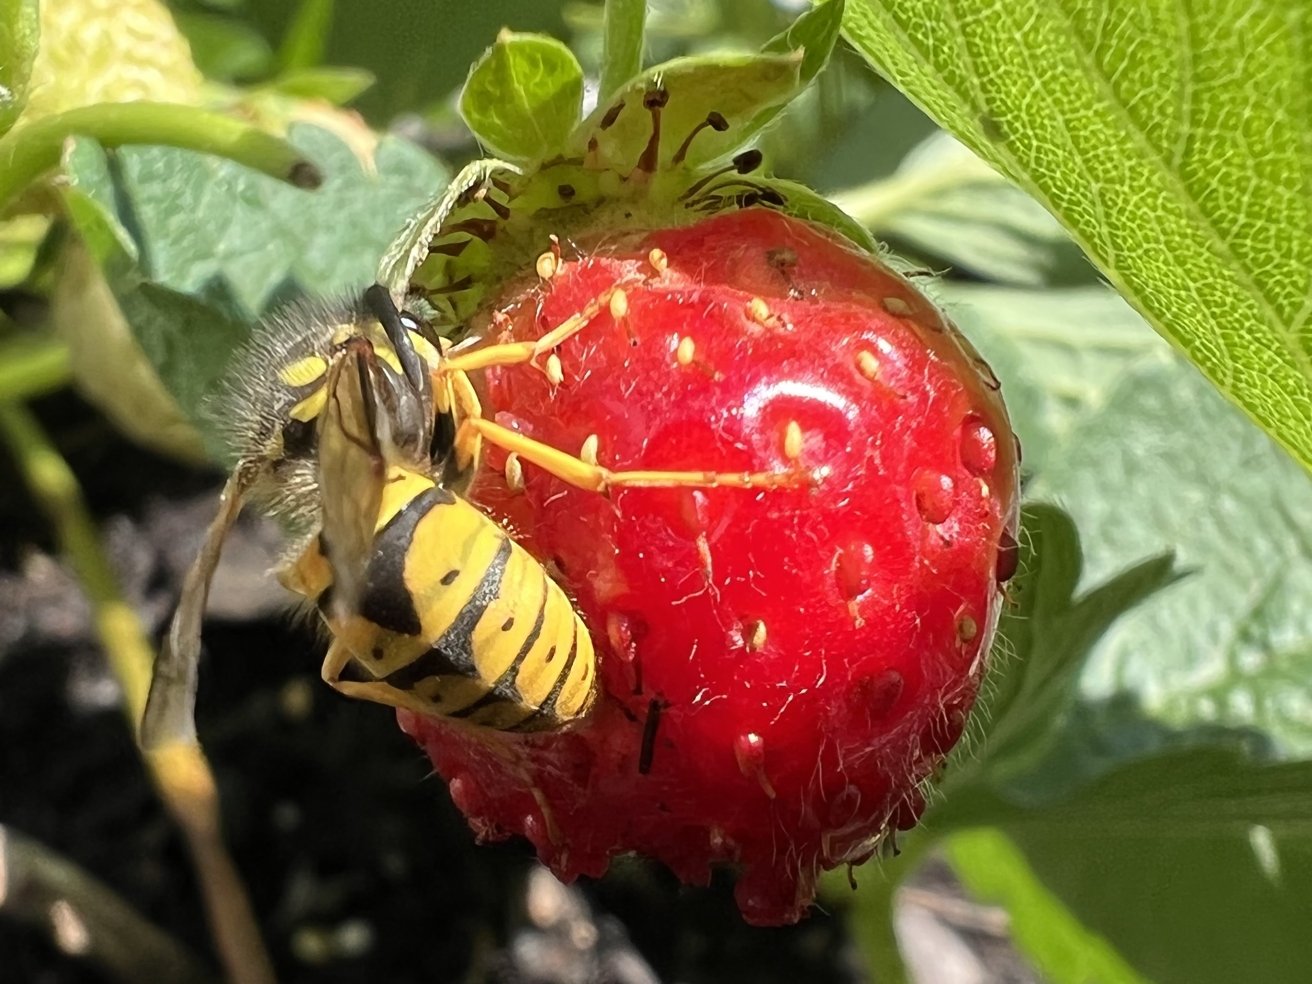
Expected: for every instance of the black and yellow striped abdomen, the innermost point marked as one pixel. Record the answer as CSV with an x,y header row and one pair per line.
x,y
455,618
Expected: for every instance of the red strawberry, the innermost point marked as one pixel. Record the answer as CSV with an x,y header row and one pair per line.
x,y
783,669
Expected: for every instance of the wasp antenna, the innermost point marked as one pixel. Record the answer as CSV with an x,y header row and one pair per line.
x,y
170,714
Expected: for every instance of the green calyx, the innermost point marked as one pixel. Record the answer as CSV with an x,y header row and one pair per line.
x,y
667,148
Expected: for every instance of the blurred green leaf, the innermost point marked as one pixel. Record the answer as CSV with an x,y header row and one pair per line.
x,y
523,97
307,36
1220,788
22,239
225,49
1062,949
1147,457
869,912
333,84
420,53
1105,790
1198,864
197,249
1057,352
1155,804
19,35
1166,463
1139,127
945,202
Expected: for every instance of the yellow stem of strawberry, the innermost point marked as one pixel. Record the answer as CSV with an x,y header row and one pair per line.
x,y
180,772
30,151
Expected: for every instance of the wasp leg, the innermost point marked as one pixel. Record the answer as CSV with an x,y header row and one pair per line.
x,y
337,660
514,353
595,478
170,713
468,441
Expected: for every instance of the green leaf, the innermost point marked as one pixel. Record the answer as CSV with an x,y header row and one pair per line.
x,y
621,54
409,248
19,33
1147,458
814,34
419,52
869,915
1154,803
745,90
946,203
333,84
1150,807
801,201
197,249
1060,947
1171,143
523,97
1165,463
1198,864
225,49
1048,635
1101,790
1192,791
1132,441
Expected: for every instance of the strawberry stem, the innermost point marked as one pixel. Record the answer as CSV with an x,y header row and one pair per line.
x,y
179,771
876,932
621,52
29,151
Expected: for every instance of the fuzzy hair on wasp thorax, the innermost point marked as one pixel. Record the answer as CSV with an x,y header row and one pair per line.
x,y
267,410
267,406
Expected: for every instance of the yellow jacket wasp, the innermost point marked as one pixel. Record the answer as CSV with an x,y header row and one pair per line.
x,y
364,427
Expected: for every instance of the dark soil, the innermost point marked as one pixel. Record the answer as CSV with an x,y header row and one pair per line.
x,y
359,867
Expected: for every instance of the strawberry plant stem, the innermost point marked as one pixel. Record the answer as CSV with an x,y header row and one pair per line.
x,y
179,771
31,150
621,55
874,929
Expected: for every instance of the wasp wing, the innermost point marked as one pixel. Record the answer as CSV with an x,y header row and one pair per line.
x,y
352,469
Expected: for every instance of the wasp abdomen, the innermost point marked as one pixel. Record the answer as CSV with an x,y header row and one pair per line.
x,y
474,627
385,600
